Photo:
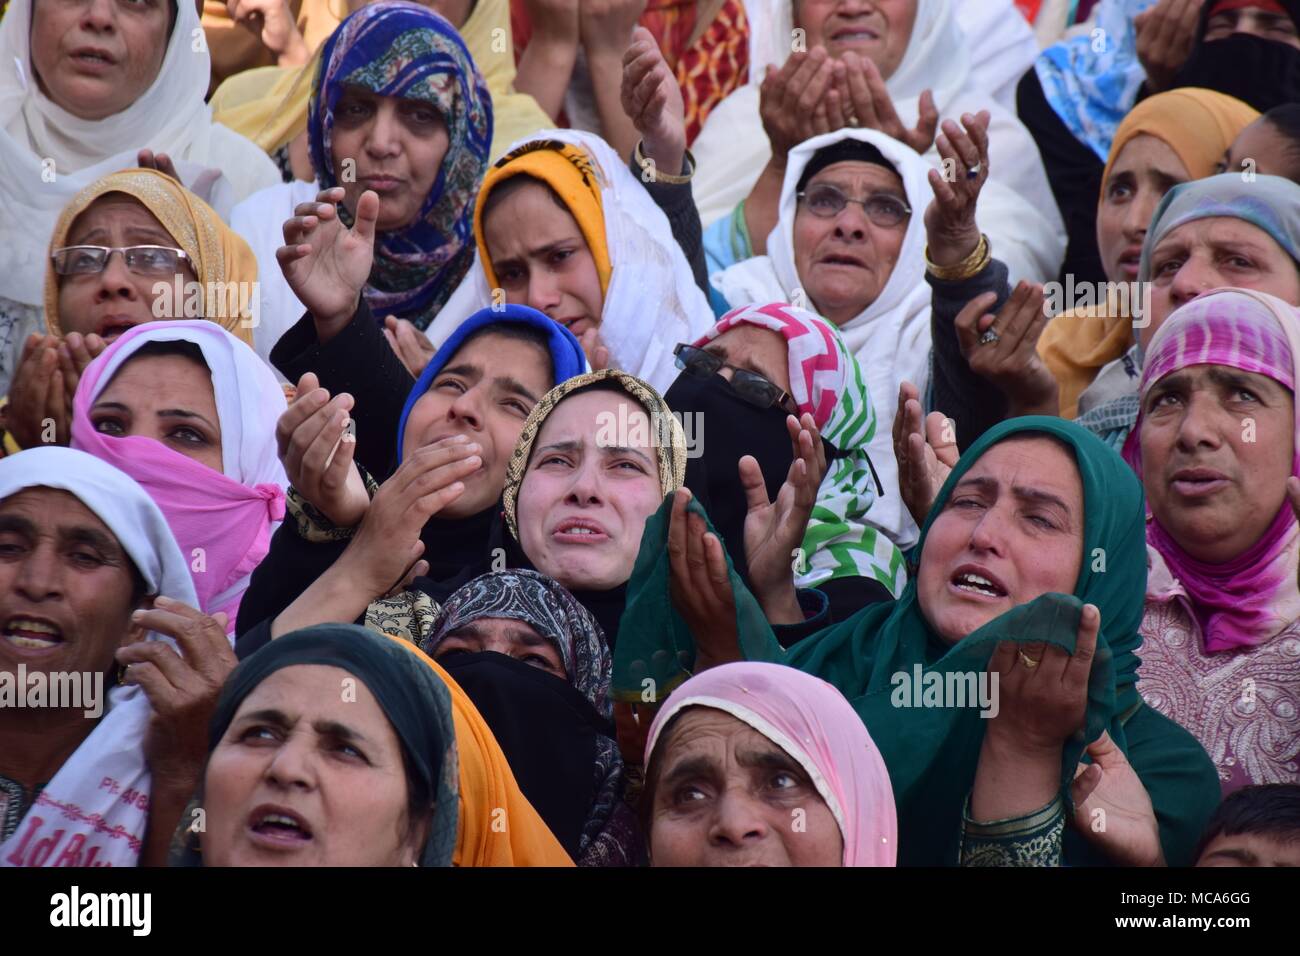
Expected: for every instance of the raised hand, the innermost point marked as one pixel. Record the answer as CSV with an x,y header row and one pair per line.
x,y
701,591
1113,809
950,230
925,447
596,350
388,543
788,100
1166,34
605,26
148,159
325,263
774,530
410,344
1003,348
316,447
39,410
870,106
652,100
182,687
272,22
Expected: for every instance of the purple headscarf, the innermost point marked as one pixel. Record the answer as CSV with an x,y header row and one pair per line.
x,y
1245,601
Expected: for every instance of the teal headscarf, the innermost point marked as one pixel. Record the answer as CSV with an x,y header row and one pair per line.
x,y
932,752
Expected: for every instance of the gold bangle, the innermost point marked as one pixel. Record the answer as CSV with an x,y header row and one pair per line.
x,y
972,265
657,175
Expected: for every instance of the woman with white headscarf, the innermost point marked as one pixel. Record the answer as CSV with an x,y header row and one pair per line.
x,y
890,332
116,797
629,286
189,411
83,89
735,158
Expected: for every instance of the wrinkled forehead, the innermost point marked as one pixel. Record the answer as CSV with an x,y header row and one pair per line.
x,y
120,210
854,175
49,508
599,418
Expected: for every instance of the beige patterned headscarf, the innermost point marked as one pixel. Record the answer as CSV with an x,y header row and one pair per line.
x,y
670,440
217,253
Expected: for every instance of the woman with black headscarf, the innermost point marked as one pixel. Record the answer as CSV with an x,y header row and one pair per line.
x,y
535,663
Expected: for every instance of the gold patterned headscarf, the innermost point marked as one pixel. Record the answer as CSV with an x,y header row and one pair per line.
x,y
670,440
217,253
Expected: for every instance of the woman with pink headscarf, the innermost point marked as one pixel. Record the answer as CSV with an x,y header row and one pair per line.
x,y
1216,444
754,764
189,412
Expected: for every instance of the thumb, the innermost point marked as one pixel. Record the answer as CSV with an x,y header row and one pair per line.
x,y
751,479
1085,783
367,216
1105,753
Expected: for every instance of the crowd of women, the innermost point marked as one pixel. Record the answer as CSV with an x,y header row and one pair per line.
x,y
673,433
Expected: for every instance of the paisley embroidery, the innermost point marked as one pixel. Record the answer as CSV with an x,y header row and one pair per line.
x,y
1243,706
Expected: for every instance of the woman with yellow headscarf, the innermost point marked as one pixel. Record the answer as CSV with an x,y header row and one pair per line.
x,y
133,247
1166,139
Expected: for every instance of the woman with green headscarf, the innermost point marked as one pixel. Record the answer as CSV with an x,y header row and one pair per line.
x,y
1010,653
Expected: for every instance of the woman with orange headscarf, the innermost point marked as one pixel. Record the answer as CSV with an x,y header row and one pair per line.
x,y
1167,139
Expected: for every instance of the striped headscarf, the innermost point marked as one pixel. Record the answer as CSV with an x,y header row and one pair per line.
x,y
1245,601
827,382
406,50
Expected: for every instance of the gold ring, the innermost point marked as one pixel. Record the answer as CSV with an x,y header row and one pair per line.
x,y
1028,661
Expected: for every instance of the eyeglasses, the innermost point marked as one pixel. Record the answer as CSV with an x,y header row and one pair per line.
x,y
826,202
749,386
143,260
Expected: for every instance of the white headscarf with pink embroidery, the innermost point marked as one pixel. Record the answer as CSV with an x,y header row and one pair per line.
x,y
827,382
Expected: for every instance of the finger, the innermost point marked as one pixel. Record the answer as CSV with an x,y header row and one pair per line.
x,y
677,531
968,318
1085,783
202,638
302,438
859,92
432,482
962,146
835,115
977,128
696,562
1004,658
751,480
338,463
815,91
884,117
716,569
157,653
941,435
158,689
927,121
310,400
944,194
1016,316
430,457
329,437
298,228
1074,679
906,392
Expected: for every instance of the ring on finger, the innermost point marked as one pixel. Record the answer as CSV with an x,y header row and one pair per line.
x,y
990,336
973,171
1028,661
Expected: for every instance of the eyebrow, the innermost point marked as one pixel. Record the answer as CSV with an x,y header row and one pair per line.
x,y
514,387
141,235
162,412
1222,376
992,486
325,728
1241,855
610,451
744,363
773,759
529,638
846,187
692,768
339,731
76,534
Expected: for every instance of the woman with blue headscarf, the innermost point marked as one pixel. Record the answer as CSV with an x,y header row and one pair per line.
x,y
399,127
455,430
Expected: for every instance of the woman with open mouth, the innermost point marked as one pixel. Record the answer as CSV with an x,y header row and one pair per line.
x,y
133,247
1222,623
336,746
1031,571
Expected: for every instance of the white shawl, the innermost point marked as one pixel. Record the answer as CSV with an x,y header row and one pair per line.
x,y
890,338
95,810
48,155
652,302
1016,209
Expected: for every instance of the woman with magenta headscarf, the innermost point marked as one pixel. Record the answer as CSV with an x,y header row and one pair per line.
x,y
189,412
1215,446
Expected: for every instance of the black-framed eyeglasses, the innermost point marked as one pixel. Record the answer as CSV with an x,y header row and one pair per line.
x,y
143,260
883,209
750,386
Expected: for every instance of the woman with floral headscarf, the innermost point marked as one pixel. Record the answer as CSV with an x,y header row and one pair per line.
x,y
535,663
398,110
